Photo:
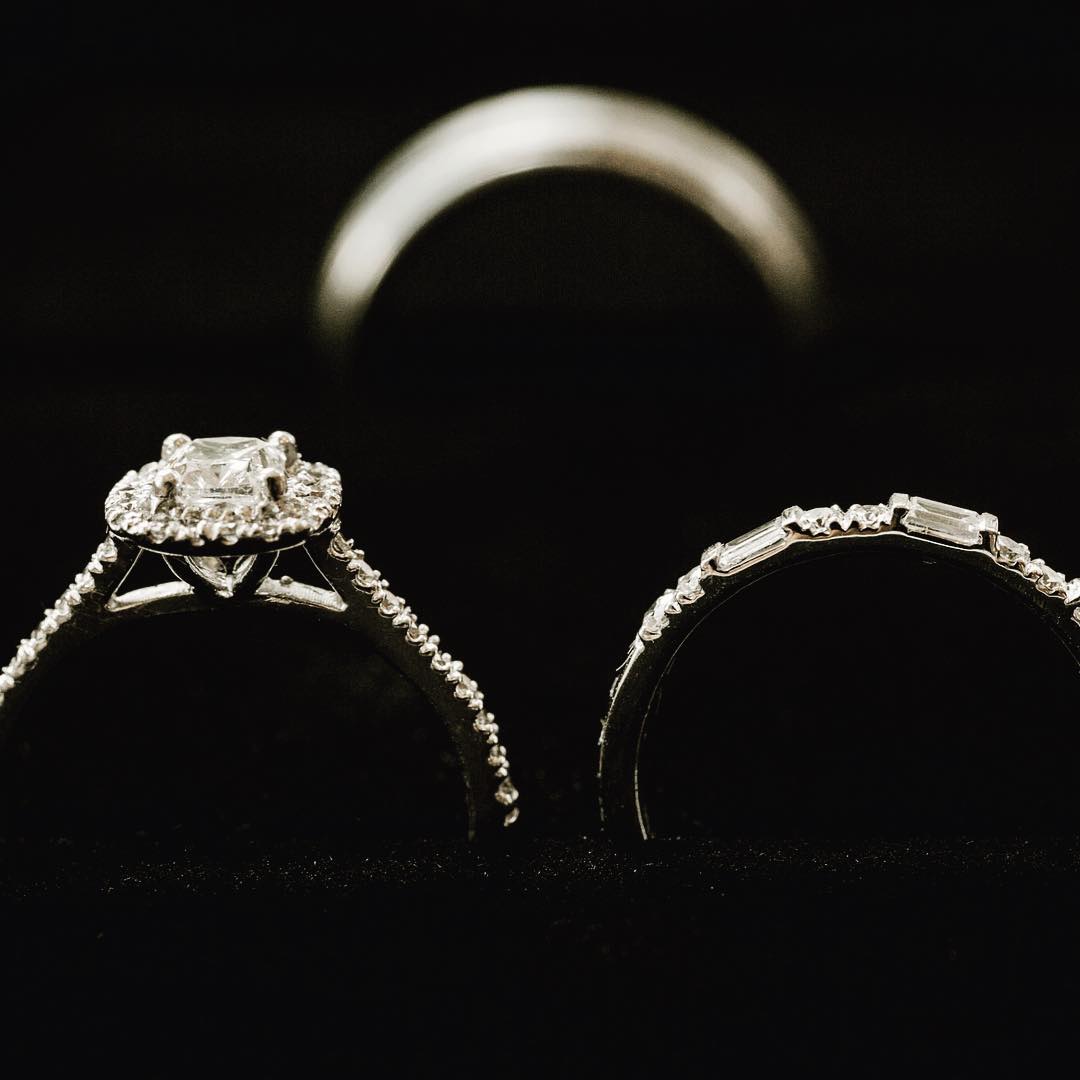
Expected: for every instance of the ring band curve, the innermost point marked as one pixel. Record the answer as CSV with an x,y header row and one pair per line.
x,y
217,513
940,532
555,127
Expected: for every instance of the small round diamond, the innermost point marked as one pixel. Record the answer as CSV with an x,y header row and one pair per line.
x,y
689,587
872,516
819,521
1012,553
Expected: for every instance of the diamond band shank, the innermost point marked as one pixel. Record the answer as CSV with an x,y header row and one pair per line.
x,y
936,531
363,604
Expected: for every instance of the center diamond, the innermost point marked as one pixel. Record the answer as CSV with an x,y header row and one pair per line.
x,y
225,470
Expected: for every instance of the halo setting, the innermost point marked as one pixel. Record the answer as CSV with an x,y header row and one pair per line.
x,y
224,490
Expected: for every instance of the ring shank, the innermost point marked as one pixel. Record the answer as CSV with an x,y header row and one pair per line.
x,y
354,599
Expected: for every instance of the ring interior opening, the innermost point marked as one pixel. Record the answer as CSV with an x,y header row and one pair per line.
x,y
550,251
863,698
242,726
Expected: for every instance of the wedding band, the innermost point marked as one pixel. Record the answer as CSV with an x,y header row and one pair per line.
x,y
577,127
941,532
217,513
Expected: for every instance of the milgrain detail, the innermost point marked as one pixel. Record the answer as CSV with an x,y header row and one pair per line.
x,y
30,648
954,526
376,590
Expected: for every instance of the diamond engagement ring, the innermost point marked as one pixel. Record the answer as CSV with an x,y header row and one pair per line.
x,y
218,512
944,533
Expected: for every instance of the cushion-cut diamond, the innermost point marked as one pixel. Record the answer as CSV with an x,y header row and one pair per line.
x,y
225,470
944,522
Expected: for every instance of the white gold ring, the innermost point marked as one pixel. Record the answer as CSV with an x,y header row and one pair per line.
x,y
940,532
217,513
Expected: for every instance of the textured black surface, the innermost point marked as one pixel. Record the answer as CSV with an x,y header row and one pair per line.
x,y
223,873
559,956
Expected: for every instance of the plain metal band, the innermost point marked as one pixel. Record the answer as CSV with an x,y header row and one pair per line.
x,y
96,611
567,127
635,696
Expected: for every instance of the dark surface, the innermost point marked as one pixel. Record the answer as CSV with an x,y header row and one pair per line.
x,y
533,435
573,957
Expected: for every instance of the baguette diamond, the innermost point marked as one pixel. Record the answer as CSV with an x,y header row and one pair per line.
x,y
752,546
944,522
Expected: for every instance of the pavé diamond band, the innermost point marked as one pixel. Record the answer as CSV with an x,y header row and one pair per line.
x,y
217,513
945,533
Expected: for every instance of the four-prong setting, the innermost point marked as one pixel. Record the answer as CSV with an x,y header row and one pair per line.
x,y
233,493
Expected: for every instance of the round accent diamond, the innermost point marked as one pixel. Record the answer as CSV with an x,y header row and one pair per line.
x,y
1011,553
870,516
689,588
820,520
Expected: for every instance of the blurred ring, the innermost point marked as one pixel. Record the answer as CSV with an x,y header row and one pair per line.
x,y
567,127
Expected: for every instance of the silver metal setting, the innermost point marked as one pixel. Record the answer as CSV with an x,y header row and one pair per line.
x,y
957,535
222,551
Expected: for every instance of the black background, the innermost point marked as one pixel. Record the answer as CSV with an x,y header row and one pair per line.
x,y
567,387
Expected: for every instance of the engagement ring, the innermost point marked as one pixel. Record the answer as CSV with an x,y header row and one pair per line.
x,y
217,513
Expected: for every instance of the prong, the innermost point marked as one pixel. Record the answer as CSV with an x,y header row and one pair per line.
x,y
172,444
275,481
286,443
165,482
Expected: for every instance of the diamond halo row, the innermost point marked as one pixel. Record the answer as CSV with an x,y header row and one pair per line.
x,y
225,491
